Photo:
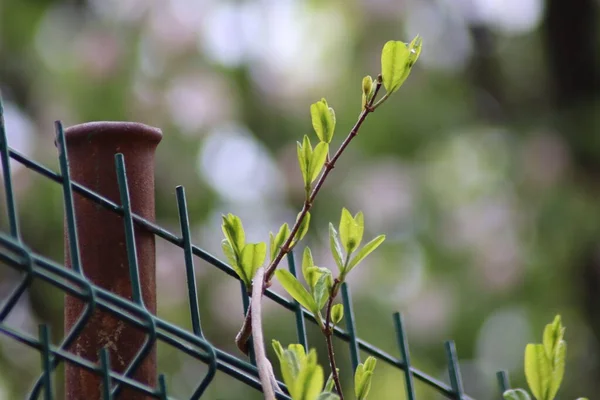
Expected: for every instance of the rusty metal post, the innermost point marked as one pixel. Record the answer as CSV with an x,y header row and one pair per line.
x,y
91,148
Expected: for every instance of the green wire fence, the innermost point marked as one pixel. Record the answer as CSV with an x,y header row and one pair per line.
x,y
72,281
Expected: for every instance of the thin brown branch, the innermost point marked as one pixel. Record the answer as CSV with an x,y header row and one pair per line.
x,y
328,332
243,335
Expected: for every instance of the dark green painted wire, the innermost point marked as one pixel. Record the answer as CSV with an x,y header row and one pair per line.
x,y
44,333
90,303
403,344
300,325
134,274
503,382
458,392
105,366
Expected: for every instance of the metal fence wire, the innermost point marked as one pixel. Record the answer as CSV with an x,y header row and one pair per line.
x,y
73,282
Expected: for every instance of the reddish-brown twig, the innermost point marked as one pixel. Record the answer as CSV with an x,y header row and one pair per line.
x,y
243,335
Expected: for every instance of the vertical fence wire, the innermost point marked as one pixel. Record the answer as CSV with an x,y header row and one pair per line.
x,y
133,271
350,326
68,200
192,292
503,382
454,371
162,387
11,207
105,366
74,254
13,221
300,324
184,223
403,344
44,335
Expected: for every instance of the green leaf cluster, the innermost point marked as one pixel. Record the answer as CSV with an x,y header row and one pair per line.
x,y
319,280
245,258
276,242
362,378
311,161
544,365
301,373
397,60
351,229
545,362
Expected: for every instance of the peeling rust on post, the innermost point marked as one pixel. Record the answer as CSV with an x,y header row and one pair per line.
x,y
91,149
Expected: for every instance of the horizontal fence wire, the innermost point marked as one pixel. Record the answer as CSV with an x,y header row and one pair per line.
x,y
16,254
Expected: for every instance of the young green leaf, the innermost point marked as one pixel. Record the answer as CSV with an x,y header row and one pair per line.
x,y
537,370
337,313
302,161
553,335
414,49
330,384
311,272
291,361
253,256
516,394
394,61
305,153
321,290
296,290
323,120
397,59
310,380
359,220
365,251
362,379
303,228
367,90
278,349
334,244
558,369
314,273
328,396
370,363
279,240
302,374
307,262
234,231
298,350
307,148
229,253
290,368
272,247
351,230
235,264
318,159
332,116
358,380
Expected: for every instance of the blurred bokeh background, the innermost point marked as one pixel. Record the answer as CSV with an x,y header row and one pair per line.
x,y
483,170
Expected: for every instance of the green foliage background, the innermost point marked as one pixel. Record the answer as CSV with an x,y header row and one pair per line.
x,y
481,171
